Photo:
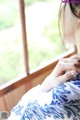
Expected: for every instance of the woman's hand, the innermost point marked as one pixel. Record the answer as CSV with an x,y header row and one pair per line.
x,y
64,71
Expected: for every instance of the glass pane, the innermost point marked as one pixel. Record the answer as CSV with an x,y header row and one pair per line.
x,y
11,49
43,35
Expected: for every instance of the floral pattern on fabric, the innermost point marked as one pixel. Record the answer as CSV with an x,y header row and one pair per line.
x,y
65,101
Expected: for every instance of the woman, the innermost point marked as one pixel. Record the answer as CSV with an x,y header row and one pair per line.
x,y
58,97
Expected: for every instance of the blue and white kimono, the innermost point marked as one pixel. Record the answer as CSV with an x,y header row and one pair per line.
x,y
60,103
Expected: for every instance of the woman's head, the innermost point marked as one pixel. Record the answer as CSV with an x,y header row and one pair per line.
x,y
69,19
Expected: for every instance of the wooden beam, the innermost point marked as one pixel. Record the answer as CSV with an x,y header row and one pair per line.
x,y
8,87
24,34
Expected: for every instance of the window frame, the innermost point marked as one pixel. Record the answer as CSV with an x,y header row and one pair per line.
x,y
8,87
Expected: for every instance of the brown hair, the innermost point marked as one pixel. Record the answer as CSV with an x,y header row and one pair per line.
x,y
73,11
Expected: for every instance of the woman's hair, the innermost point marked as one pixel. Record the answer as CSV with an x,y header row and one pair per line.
x,y
74,8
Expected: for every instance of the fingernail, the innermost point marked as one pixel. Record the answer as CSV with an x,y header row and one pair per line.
x,y
73,72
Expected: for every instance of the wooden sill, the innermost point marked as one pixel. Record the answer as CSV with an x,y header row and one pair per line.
x,y
8,87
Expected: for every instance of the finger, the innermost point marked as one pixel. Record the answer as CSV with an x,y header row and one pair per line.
x,y
68,66
68,75
64,65
70,60
77,56
78,67
63,78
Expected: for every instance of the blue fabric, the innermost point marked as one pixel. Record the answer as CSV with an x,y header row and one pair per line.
x,y
61,103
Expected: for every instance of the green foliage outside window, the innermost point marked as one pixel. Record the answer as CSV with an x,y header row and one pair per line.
x,y
11,62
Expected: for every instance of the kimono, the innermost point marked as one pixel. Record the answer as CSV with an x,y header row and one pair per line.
x,y
60,103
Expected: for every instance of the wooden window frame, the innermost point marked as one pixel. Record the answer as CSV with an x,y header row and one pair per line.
x,y
8,87
24,34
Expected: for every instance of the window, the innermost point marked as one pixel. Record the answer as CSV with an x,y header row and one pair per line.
x,y
44,42
42,39
11,49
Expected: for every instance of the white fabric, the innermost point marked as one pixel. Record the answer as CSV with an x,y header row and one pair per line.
x,y
61,103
